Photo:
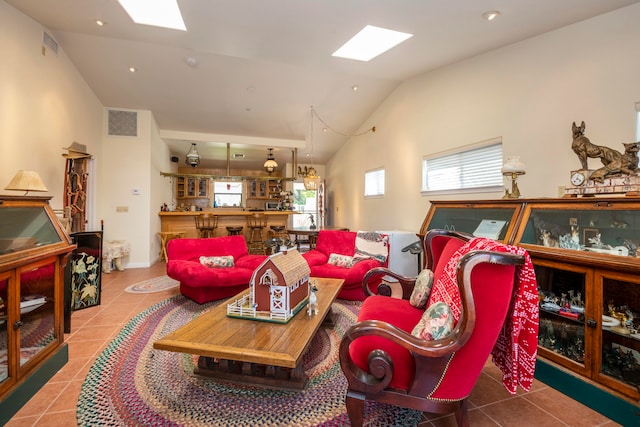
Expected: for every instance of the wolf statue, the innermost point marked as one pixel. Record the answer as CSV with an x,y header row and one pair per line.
x,y
614,162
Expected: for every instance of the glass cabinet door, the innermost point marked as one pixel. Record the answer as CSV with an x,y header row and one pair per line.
x,y
5,295
37,310
597,227
620,352
494,220
562,334
203,186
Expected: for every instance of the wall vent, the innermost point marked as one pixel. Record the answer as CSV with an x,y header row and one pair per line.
x,y
123,123
48,41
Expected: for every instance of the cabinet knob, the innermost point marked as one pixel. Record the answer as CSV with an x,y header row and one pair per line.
x,y
17,325
592,323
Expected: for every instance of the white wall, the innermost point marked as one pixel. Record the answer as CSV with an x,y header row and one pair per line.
x,y
132,189
528,93
45,105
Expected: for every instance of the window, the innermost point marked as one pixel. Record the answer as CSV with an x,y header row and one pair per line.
x,y
467,169
306,202
374,183
227,194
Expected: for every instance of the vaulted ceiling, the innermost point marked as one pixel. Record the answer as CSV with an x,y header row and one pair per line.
x,y
252,69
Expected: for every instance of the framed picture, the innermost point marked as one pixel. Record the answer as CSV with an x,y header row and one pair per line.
x,y
589,235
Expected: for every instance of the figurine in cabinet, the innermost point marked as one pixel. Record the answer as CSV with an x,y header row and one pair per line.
x,y
547,240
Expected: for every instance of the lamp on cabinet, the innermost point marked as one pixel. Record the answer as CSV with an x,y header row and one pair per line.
x,y
26,181
511,169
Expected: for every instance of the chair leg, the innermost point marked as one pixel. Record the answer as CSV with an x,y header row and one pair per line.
x,y
355,409
462,416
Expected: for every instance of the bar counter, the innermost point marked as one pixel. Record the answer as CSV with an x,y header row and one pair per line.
x,y
184,221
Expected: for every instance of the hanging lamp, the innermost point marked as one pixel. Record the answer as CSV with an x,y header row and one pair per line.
x,y
270,165
193,157
311,179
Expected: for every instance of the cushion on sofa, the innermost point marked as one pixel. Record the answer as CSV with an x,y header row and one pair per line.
x,y
344,261
422,289
217,261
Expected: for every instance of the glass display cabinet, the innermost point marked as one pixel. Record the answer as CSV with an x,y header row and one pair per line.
x,y
34,249
586,257
488,218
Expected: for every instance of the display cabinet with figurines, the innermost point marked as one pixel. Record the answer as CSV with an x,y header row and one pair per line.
x,y
585,253
34,248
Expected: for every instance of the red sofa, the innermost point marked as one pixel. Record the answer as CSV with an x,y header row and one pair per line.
x,y
342,243
203,284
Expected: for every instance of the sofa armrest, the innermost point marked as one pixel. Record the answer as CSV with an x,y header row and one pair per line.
x,y
375,275
315,257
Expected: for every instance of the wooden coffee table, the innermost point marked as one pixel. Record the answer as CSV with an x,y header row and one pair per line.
x,y
253,351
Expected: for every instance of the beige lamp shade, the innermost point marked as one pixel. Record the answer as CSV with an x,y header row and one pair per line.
x,y
26,181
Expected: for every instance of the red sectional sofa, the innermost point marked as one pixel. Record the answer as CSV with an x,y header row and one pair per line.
x,y
342,243
203,284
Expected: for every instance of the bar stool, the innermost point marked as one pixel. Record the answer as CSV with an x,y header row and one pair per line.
x,y
234,231
165,236
256,224
279,232
206,224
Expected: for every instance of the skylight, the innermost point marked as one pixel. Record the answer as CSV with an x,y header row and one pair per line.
x,y
159,13
370,42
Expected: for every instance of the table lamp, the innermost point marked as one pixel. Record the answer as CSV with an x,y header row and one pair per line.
x,y
511,169
26,181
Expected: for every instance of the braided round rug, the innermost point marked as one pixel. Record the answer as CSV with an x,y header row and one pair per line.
x,y
132,384
157,284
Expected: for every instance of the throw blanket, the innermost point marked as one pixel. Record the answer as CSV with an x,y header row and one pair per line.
x,y
517,345
370,244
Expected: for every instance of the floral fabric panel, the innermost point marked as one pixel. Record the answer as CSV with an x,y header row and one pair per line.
x,y
217,261
371,244
422,289
436,323
338,260
85,280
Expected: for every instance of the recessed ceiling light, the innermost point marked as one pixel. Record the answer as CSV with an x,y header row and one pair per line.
x,y
133,69
491,15
159,13
355,88
191,61
100,22
370,42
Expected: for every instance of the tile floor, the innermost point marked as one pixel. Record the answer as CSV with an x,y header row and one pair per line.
x,y
93,328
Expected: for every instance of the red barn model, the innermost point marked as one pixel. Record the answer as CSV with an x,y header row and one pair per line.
x,y
279,288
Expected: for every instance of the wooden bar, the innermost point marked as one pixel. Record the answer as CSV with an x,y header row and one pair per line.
x,y
184,221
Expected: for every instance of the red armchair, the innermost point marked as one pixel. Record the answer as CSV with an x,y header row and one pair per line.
x,y
342,243
203,284
384,362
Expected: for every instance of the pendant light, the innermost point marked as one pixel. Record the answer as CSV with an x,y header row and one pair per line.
x,y
270,165
193,157
311,179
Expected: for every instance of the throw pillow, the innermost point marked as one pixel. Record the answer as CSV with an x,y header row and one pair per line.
x,y
371,244
217,261
422,289
338,260
436,323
